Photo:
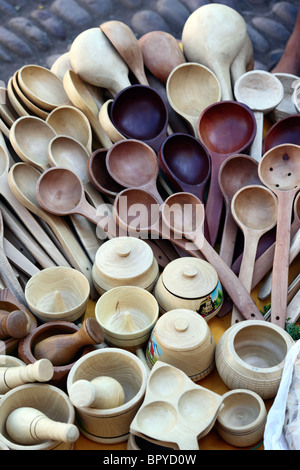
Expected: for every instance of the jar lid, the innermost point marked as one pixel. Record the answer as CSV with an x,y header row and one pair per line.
x,y
124,258
181,329
190,278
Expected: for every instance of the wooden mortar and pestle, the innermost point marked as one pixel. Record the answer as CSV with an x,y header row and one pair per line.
x,y
102,392
11,377
15,324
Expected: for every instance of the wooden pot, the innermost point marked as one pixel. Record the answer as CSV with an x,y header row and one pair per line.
x,y
27,345
48,399
110,426
125,261
127,316
58,294
241,421
189,283
251,355
183,339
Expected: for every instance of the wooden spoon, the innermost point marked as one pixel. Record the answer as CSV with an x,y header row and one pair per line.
x,y
279,170
81,98
99,176
106,123
244,61
7,111
284,131
254,208
161,53
184,214
213,35
22,180
124,40
132,163
6,271
96,61
61,65
42,87
262,92
34,110
18,106
224,128
236,172
192,87
30,137
71,121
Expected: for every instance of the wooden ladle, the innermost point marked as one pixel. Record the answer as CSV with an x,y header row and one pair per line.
x,y
124,40
284,131
224,128
96,61
192,87
236,172
279,170
71,121
184,214
213,35
254,208
262,91
161,53
30,137
106,123
132,163
99,175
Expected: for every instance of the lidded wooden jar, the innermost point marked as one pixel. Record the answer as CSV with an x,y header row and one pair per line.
x,y
183,339
189,283
124,261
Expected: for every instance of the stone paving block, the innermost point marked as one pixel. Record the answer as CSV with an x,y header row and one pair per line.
x,y
14,43
99,7
147,20
71,12
50,23
174,13
25,28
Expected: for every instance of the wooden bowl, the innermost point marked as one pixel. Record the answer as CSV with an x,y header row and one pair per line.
x,y
127,315
111,425
241,421
27,345
189,283
58,293
50,400
42,87
124,261
183,339
251,355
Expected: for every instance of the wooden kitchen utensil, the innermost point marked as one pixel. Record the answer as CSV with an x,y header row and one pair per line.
x,y
12,377
13,324
102,392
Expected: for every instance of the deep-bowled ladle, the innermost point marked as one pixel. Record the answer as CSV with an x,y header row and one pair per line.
x,y
262,91
284,131
279,170
99,175
236,172
254,208
134,164
224,128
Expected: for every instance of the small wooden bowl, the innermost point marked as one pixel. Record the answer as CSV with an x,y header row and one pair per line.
x,y
49,400
241,421
251,355
26,348
111,425
58,293
189,283
127,315
124,261
182,338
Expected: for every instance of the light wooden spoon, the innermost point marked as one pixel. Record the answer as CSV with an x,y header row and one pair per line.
x,y
33,109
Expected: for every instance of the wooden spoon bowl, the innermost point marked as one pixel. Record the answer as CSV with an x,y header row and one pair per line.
x,y
284,131
99,175
139,112
42,87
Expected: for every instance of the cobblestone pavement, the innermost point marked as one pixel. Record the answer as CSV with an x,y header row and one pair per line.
x,y
37,32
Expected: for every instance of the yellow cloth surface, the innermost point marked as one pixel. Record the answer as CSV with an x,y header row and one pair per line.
x,y
212,382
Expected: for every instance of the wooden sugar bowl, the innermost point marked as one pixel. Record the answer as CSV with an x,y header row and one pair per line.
x,y
110,425
251,355
124,261
49,401
189,283
183,339
58,294
27,348
127,316
241,421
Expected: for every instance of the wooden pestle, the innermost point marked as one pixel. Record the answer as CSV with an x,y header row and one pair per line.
x,y
62,349
14,324
101,392
28,426
11,377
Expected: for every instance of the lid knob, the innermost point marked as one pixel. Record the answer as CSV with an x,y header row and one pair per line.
x,y
181,325
123,251
190,271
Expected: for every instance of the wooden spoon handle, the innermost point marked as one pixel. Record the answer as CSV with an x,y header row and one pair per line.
x,y
9,278
293,309
214,205
230,231
256,148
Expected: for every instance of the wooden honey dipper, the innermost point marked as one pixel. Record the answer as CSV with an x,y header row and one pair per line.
x,y
14,324
29,426
11,377
101,392
61,349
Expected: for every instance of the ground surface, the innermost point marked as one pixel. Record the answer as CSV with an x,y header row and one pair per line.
x,y
38,32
